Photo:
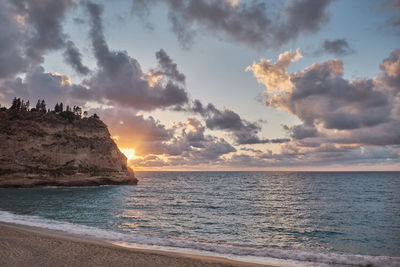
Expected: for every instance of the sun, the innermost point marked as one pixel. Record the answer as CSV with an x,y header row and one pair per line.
x,y
128,152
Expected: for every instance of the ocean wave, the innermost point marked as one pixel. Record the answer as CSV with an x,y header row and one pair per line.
x,y
276,256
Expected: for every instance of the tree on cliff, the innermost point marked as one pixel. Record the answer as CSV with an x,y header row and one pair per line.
x,y
37,105
77,111
57,108
41,106
25,106
69,113
18,104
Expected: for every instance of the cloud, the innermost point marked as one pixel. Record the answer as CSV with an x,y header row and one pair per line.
x,y
28,30
73,57
132,128
157,145
305,16
337,47
249,22
191,148
337,111
242,131
394,5
195,135
12,60
324,156
167,68
301,131
390,68
38,84
185,35
119,78
43,21
320,95
343,121
274,75
251,149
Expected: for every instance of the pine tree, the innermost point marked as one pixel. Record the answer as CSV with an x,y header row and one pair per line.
x,y
57,108
19,104
43,106
38,105
14,103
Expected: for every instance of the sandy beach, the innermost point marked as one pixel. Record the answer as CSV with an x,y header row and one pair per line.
x,y
26,246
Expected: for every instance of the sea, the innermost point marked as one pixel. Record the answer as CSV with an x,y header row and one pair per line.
x,y
278,218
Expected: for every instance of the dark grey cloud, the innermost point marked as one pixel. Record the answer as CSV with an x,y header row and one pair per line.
x,y
119,78
394,5
184,34
335,110
384,134
191,147
179,153
73,57
195,135
37,84
305,16
12,60
44,21
324,156
337,47
149,137
242,131
301,131
213,150
168,67
253,23
321,95
28,30
249,149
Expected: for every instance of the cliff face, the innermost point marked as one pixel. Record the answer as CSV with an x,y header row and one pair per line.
x,y
45,149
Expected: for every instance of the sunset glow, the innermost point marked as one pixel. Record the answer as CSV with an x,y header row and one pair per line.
x,y
259,132
252,85
128,152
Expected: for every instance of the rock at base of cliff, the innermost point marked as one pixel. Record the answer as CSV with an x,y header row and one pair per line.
x,y
22,180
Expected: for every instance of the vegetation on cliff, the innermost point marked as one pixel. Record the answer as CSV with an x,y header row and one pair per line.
x,y
40,146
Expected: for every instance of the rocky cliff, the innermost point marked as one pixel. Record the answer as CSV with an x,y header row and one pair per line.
x,y
49,149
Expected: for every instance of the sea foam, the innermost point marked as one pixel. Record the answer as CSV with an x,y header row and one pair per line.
x,y
276,256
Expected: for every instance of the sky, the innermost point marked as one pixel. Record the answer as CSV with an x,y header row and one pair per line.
x,y
217,84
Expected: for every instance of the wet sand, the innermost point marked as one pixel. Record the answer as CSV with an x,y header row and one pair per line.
x,y
28,246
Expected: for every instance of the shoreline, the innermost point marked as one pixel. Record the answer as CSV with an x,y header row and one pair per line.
x,y
32,246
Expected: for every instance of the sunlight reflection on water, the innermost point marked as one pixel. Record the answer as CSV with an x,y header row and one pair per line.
x,y
340,212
